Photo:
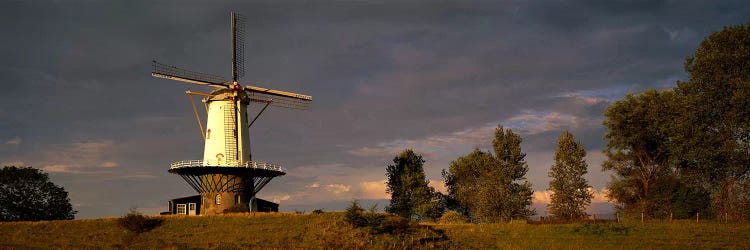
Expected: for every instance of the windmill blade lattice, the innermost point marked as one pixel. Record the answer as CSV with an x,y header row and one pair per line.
x,y
279,101
169,71
238,44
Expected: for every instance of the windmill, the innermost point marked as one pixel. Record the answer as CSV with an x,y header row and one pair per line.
x,y
228,176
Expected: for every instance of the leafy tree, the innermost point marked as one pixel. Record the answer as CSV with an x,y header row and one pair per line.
x,y
492,188
570,191
512,161
27,194
411,196
638,151
714,125
464,181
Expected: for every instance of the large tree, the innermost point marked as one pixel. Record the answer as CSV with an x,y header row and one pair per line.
x,y
492,188
637,150
714,125
512,161
27,194
411,196
465,178
571,193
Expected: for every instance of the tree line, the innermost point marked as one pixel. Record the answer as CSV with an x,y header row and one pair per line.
x,y
686,150
671,153
487,187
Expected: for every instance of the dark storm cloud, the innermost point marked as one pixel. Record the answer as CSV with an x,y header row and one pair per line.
x,y
78,98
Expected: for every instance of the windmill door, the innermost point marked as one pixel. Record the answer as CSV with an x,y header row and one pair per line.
x,y
191,208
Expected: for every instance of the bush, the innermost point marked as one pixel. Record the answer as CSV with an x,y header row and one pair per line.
x,y
135,222
354,215
376,223
452,217
318,211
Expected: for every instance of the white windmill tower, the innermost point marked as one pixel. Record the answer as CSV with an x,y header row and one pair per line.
x,y
227,176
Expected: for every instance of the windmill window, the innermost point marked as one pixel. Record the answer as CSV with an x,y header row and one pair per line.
x,y
208,134
181,209
218,199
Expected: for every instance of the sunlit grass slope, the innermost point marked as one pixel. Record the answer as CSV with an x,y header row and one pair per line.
x,y
328,230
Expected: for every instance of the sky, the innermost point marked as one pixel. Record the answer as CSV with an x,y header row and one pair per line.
x,y
78,100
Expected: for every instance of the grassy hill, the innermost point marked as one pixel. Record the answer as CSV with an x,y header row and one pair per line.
x,y
328,230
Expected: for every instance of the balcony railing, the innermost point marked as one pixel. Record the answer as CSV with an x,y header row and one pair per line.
x,y
229,164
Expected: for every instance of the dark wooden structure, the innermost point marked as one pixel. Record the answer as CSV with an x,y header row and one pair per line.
x,y
191,205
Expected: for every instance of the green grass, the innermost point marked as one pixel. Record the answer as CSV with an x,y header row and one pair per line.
x,y
328,230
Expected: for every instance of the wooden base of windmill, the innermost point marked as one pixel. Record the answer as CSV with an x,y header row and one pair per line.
x,y
226,189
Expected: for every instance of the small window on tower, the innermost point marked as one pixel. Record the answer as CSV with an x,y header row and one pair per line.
x,y
218,199
208,134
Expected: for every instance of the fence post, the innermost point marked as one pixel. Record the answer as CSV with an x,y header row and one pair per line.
x,y
726,217
697,217
641,218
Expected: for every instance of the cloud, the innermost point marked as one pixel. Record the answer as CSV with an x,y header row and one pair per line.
x,y
374,190
531,123
381,150
337,188
527,123
59,168
129,177
313,185
14,141
545,196
80,157
13,163
439,186
109,164
279,199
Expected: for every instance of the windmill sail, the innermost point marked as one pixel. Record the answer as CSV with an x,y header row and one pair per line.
x,y
174,73
279,98
238,46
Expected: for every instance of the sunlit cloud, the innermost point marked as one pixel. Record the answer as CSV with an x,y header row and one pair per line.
x,y
337,188
313,185
545,196
13,163
526,123
109,164
530,123
59,168
439,186
374,190
279,199
14,141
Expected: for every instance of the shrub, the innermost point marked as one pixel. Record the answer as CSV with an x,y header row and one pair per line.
x,y
376,223
318,211
136,222
354,215
452,217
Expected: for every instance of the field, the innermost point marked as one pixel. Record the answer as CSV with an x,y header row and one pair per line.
x,y
328,230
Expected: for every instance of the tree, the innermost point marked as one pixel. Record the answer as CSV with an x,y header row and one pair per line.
x,y
464,179
508,151
411,196
492,188
638,151
570,191
27,194
714,125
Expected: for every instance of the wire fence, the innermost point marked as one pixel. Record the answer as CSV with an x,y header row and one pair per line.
x,y
643,218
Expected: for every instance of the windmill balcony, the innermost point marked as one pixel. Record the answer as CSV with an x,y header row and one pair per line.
x,y
229,164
